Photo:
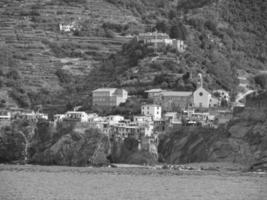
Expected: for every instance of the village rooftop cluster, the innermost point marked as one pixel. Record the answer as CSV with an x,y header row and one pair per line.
x,y
170,109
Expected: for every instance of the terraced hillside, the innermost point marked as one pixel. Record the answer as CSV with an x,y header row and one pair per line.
x,y
56,68
30,37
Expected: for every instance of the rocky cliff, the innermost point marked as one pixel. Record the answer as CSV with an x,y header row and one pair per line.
x,y
47,144
243,141
127,152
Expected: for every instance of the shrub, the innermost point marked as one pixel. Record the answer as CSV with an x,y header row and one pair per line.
x,y
21,98
63,76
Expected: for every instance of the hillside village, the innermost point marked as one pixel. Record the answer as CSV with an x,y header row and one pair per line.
x,y
128,75
167,110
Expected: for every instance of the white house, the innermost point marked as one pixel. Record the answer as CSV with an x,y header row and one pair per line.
x,y
113,119
152,110
76,116
142,119
162,39
5,115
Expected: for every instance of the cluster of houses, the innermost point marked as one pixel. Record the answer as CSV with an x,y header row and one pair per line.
x,y
169,109
8,115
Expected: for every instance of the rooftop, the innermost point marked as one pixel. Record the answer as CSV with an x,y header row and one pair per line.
x,y
105,90
177,93
154,90
151,105
76,112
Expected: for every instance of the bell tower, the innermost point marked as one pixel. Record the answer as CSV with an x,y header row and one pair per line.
x,y
200,81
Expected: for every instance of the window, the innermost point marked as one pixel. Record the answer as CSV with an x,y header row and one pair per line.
x,y
201,94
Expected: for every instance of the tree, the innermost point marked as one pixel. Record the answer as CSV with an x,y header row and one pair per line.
x,y
162,26
178,31
13,74
261,80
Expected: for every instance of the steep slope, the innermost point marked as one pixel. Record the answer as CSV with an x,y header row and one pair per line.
x,y
57,69
223,38
33,45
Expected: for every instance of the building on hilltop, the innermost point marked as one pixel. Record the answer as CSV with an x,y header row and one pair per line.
x,y
113,119
109,97
162,39
152,110
152,37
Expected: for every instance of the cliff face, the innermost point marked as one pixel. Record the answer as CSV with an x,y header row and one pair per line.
x,y
243,141
11,146
46,144
67,147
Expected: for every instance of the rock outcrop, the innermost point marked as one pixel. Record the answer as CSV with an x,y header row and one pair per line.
x,y
66,147
127,152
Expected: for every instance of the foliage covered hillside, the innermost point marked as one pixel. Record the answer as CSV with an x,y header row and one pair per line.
x,y
223,38
59,70
49,62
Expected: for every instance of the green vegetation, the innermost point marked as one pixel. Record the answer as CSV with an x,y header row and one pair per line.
x,y
222,37
261,81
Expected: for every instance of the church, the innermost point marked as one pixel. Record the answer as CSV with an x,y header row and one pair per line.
x,y
202,97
